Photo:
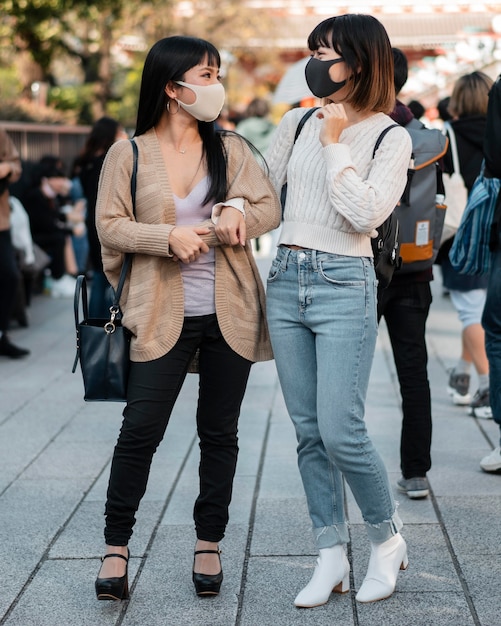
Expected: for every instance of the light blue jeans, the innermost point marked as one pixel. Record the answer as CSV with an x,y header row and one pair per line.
x,y
323,327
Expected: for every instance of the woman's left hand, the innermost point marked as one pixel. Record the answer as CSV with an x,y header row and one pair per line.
x,y
335,121
230,228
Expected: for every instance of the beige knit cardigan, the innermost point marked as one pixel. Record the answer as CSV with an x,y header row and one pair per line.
x,y
152,299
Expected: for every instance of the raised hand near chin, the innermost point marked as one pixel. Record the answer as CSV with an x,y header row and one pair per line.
x,y
335,121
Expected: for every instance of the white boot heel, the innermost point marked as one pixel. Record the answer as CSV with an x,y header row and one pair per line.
x,y
384,564
332,574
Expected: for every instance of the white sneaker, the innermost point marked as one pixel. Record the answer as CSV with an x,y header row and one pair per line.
x,y
492,462
63,287
480,406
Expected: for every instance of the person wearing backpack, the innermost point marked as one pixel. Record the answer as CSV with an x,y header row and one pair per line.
x,y
321,293
405,303
491,317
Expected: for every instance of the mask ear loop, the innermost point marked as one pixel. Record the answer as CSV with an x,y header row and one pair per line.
x,y
167,106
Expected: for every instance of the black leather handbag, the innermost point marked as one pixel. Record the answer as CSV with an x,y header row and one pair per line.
x,y
103,345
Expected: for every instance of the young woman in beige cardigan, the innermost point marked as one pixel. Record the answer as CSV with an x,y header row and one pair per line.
x,y
193,288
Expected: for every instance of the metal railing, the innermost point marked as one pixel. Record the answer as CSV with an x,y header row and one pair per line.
x,y
37,140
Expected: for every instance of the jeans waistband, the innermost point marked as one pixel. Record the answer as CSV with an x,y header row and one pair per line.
x,y
314,258
303,256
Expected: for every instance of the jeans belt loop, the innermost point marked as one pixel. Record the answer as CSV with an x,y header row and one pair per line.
x,y
314,260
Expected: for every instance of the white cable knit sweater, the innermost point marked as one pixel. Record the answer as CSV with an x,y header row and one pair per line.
x,y
337,195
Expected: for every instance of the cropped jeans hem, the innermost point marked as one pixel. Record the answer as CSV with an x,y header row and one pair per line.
x,y
379,533
338,534
329,536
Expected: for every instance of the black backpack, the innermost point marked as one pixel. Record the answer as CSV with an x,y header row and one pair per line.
x,y
420,212
386,246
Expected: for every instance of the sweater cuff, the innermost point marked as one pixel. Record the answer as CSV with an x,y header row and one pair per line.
x,y
337,156
236,203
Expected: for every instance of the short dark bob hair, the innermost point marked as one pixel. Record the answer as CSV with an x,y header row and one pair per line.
x,y
363,43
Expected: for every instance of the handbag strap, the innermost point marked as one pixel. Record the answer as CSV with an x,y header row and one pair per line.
x,y
454,148
128,257
81,284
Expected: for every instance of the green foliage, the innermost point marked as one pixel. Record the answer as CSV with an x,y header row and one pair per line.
x,y
43,38
70,97
11,86
124,107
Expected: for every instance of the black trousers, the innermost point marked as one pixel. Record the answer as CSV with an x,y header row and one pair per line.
x,y
152,392
9,278
405,308
54,244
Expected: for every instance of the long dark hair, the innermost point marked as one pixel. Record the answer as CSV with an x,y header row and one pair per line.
x,y
168,60
102,136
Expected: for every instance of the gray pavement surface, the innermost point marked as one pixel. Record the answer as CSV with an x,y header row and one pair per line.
x,y
55,453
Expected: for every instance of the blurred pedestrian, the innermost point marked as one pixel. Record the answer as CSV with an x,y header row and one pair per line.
x,y
468,107
103,135
10,171
491,318
256,126
405,305
53,221
417,109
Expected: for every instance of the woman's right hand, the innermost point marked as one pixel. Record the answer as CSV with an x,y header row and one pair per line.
x,y
186,244
335,121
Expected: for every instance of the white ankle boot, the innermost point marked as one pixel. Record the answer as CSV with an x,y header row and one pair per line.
x,y
331,574
386,560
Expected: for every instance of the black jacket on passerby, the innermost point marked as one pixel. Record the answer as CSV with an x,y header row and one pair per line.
x,y
89,179
469,132
492,152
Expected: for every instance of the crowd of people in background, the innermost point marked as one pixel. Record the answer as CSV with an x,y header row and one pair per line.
x,y
49,234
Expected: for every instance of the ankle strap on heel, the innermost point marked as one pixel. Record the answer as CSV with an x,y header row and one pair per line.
x,y
120,556
207,551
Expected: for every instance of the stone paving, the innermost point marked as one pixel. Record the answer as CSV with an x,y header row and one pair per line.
x,y
55,452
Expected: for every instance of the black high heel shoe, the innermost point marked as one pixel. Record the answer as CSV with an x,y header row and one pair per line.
x,y
116,588
207,584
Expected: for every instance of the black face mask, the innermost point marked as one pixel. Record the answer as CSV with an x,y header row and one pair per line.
x,y
318,79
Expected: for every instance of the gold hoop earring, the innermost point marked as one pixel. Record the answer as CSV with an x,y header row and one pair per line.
x,y
167,106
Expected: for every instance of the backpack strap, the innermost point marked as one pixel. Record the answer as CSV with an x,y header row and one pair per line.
x,y
454,148
381,137
303,121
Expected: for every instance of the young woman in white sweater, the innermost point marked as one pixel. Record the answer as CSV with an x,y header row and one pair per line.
x,y
321,297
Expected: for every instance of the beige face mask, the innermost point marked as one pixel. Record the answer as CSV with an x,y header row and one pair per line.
x,y
208,103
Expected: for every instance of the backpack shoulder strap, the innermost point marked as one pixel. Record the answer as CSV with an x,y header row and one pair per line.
x,y
454,149
303,121
381,137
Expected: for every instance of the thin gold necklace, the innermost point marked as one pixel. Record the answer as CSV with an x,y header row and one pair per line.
x,y
183,151
195,174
